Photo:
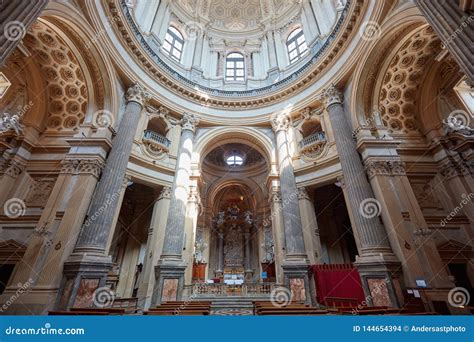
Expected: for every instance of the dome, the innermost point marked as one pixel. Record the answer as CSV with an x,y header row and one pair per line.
x,y
235,48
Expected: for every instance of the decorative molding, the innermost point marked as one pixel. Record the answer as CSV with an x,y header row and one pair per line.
x,y
82,166
189,122
303,194
165,193
138,94
13,168
275,195
280,122
331,96
385,168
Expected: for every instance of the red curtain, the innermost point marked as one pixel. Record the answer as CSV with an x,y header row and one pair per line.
x,y
337,280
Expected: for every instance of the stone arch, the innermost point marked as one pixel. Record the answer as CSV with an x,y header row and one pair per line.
x,y
84,43
220,136
367,76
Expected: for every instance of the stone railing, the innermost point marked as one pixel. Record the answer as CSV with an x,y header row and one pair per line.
x,y
156,144
221,289
312,146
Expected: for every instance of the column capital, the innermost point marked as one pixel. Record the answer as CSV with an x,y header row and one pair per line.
x,y
332,95
136,93
275,195
303,194
13,168
165,193
280,122
189,122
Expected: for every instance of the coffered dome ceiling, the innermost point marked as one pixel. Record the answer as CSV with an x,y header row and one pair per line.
x,y
237,15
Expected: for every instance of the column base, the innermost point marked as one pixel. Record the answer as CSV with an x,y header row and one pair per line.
x,y
169,282
84,282
297,280
380,276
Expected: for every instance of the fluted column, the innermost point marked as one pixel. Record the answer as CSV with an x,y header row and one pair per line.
x,y
295,248
454,26
96,229
15,18
174,235
373,237
156,235
220,252
295,264
247,265
171,268
310,226
376,258
88,265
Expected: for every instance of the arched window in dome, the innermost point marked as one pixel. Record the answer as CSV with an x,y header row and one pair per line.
x,y
235,67
296,45
173,43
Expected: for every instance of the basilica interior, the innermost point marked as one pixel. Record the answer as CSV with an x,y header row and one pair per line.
x,y
237,156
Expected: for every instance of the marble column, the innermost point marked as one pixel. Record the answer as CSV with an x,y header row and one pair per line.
x,y
190,226
276,220
295,248
171,268
220,252
16,17
295,265
312,240
376,259
247,264
454,27
156,235
89,263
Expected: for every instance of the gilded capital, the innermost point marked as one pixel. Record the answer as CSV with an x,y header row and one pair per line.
x,y
280,122
331,96
136,93
189,122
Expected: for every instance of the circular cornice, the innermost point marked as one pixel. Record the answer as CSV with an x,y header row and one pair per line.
x,y
307,75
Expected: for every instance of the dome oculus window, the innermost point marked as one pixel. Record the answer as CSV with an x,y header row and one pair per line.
x,y
173,43
235,68
296,45
234,160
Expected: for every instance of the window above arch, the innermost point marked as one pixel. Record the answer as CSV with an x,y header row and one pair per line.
x,y
235,67
296,45
173,43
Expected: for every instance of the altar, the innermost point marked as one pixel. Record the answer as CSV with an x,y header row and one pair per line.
x,y
234,228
